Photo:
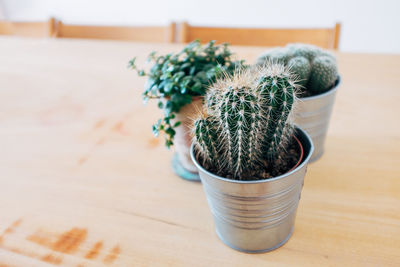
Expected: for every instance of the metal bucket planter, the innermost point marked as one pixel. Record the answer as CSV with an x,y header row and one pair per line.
x,y
313,114
256,216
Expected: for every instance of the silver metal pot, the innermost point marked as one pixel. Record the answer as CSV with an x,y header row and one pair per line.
x,y
256,216
313,114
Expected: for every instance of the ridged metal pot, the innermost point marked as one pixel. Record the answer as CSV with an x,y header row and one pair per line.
x,y
313,115
256,216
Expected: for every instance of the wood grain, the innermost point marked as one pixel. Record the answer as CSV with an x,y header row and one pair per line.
x,y
84,182
323,37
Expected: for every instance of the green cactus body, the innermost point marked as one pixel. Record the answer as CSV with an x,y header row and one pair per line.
x,y
212,100
302,67
323,75
251,118
206,140
279,55
316,68
279,92
303,50
238,117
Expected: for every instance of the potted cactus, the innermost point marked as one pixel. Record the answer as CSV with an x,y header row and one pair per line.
x,y
178,81
318,79
251,158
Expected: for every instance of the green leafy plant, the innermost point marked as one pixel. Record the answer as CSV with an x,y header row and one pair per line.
x,y
175,78
249,124
315,67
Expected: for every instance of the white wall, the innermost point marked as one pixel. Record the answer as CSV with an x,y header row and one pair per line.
x,y
367,25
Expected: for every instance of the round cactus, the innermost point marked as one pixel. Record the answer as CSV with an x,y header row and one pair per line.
x,y
279,55
302,67
324,74
315,67
304,50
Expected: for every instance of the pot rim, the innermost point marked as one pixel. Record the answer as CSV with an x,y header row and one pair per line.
x,y
305,161
301,153
330,91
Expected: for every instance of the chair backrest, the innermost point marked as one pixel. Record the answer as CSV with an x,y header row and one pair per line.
x,y
324,37
28,29
143,33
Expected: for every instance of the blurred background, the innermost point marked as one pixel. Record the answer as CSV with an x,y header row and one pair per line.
x,y
366,26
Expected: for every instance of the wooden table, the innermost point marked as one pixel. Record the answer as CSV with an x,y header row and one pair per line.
x,y
84,183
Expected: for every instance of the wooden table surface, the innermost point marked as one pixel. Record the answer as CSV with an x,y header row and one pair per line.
x,y
84,183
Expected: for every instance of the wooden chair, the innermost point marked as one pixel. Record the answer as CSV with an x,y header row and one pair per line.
x,y
144,33
324,37
28,29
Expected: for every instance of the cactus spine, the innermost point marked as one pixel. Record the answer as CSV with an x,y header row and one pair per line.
x,y
251,121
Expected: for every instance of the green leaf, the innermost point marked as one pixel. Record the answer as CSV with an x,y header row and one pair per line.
x,y
156,128
168,87
202,76
178,76
192,70
168,143
177,124
165,76
131,63
210,73
167,109
155,132
171,68
186,80
154,90
170,131
151,56
161,86
197,88
185,65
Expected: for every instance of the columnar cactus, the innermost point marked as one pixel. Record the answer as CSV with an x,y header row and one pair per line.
x,y
206,138
316,68
278,91
250,123
239,117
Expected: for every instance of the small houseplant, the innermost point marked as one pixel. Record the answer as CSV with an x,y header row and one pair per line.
x,y
178,81
318,79
251,158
